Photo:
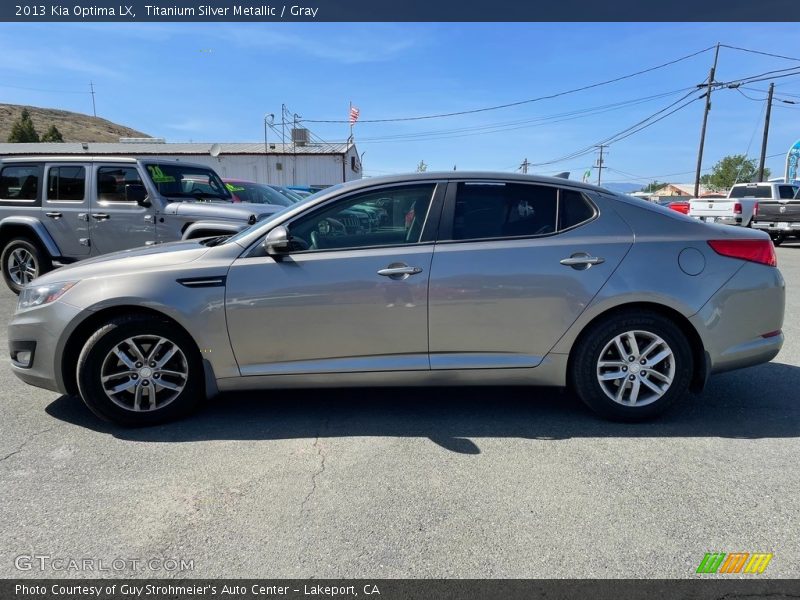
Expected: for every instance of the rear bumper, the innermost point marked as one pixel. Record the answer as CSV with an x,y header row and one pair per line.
x,y
726,220
777,226
738,324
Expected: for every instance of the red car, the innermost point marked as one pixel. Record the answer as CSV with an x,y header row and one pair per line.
x,y
682,206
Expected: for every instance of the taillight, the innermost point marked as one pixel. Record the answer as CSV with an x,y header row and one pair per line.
x,y
757,251
737,208
755,209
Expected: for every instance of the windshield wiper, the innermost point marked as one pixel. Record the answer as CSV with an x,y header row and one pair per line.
x,y
214,241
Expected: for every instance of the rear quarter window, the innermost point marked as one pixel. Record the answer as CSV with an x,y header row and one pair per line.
x,y
20,183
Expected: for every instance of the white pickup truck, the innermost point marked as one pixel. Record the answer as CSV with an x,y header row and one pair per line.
x,y
739,208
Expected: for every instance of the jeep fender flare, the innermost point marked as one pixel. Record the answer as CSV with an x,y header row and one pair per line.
x,y
37,231
199,229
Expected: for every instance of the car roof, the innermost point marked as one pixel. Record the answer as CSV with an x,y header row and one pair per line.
x,y
103,159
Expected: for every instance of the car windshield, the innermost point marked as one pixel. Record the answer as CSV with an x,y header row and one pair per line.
x,y
304,201
258,193
188,182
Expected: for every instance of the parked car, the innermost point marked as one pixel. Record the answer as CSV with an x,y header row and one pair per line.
x,y
468,278
58,210
727,211
681,206
779,213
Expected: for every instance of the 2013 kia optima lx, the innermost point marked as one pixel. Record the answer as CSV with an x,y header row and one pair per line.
x,y
427,279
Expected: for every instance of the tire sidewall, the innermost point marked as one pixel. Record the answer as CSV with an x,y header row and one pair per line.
x,y
39,256
100,344
584,372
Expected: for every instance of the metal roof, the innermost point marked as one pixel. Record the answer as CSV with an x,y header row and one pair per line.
x,y
166,149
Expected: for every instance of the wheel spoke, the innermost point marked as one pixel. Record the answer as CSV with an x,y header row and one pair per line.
x,y
621,391
634,395
650,347
660,376
137,399
665,353
611,363
123,386
165,359
123,357
658,391
620,348
632,344
154,350
135,349
612,376
172,373
169,385
113,376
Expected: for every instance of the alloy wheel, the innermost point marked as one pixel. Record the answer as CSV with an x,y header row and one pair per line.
x,y
22,266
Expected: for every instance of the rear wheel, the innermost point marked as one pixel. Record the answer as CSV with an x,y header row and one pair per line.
x,y
22,262
631,367
777,238
140,371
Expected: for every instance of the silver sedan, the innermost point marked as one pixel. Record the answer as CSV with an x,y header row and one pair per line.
x,y
427,279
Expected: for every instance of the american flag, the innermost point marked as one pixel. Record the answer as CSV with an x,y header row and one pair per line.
x,y
354,112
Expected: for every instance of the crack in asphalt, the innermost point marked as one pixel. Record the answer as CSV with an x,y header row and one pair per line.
x,y
321,468
28,440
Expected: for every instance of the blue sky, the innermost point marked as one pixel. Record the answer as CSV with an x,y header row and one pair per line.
x,y
215,82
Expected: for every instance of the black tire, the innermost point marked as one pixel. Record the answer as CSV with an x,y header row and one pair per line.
x,y
587,354
777,238
41,262
105,339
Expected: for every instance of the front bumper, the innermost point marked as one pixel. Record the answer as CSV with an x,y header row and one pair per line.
x,y
44,328
741,324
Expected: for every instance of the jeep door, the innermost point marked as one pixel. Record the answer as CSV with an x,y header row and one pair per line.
x,y
351,295
118,223
65,207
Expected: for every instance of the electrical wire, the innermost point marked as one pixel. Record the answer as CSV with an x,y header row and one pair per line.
x,y
759,52
520,102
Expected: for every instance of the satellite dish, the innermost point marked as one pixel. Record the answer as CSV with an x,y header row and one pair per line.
x,y
214,150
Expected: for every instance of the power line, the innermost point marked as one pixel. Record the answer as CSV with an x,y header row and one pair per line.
x,y
30,89
759,52
520,102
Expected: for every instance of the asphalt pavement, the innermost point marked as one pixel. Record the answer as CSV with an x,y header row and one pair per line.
x,y
372,483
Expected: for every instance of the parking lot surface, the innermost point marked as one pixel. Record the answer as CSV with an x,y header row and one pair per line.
x,y
449,482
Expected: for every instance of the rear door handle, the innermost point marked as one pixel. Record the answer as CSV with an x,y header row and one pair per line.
x,y
399,271
582,261
53,215
101,216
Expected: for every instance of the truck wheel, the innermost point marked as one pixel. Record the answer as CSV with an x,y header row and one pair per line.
x,y
777,238
23,261
140,370
632,367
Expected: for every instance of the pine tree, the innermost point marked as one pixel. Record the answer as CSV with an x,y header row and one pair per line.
x,y
23,130
53,135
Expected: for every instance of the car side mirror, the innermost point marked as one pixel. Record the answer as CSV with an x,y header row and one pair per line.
x,y
277,241
135,192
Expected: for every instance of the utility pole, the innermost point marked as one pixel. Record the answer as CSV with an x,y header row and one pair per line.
x,y
705,121
766,134
600,163
295,116
268,120
524,166
91,87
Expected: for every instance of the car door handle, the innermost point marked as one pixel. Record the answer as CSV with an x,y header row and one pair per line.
x,y
396,271
101,216
54,215
582,261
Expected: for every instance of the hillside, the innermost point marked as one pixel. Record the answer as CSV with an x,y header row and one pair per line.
x,y
75,127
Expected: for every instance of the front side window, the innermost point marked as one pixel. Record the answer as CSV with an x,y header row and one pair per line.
x,y
19,183
113,182
387,217
786,191
66,183
501,210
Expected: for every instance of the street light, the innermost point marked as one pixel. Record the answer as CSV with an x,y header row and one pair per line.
x,y
269,119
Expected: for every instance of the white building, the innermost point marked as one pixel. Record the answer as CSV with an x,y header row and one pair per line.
x,y
282,164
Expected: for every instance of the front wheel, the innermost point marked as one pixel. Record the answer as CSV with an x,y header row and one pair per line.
x,y
632,367
22,262
140,371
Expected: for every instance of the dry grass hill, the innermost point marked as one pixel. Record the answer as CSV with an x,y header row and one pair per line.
x,y
75,127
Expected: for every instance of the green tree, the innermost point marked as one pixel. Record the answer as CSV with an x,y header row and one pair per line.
x,y
736,168
23,130
652,187
53,135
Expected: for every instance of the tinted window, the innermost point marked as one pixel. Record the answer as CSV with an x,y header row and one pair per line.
x,y
786,191
387,217
751,191
489,210
19,183
66,183
113,181
573,209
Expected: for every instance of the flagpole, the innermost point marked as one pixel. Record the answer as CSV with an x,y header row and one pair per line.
x,y
350,118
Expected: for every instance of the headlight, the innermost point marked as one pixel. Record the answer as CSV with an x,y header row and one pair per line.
x,y
37,295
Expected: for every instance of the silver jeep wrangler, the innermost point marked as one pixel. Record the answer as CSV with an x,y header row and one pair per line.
x,y
58,210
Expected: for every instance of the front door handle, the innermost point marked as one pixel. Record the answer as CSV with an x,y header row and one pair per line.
x,y
582,261
54,215
399,271
101,216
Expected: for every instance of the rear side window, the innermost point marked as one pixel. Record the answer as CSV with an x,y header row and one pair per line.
x,y
112,183
573,209
786,191
66,183
500,210
19,182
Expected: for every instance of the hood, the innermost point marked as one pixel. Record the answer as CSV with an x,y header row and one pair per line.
x,y
217,210
116,263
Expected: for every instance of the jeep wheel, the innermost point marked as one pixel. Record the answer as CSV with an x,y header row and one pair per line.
x,y
23,261
140,371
